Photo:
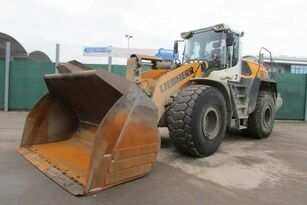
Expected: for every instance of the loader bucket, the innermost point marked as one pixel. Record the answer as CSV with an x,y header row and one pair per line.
x,y
93,130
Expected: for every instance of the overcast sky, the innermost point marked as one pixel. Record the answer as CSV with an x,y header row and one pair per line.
x,y
280,26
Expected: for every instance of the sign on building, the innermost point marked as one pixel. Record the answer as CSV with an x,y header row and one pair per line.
x,y
166,54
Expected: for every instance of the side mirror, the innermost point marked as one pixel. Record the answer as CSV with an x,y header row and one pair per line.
x,y
229,39
175,47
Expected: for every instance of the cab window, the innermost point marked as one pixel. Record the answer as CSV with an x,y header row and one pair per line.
x,y
235,56
233,48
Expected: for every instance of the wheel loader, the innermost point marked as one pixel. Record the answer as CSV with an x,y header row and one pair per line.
x,y
94,129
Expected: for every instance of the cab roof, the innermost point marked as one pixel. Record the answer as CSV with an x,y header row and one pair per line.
x,y
218,27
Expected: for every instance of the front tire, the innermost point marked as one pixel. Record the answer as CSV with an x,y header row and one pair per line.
x,y
197,120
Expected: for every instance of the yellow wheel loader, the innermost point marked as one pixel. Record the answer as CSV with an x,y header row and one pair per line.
x,y
95,130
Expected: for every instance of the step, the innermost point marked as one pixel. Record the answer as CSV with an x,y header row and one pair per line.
x,y
241,86
239,107
242,127
240,95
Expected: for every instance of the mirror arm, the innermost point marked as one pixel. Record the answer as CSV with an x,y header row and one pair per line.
x,y
175,49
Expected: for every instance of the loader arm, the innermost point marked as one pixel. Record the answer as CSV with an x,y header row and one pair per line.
x,y
171,83
160,84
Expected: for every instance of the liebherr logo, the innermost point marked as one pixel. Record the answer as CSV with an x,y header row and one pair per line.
x,y
173,81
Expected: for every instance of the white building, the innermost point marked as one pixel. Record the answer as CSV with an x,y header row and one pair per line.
x,y
286,64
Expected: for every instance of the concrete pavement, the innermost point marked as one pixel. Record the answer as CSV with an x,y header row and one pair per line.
x,y
243,171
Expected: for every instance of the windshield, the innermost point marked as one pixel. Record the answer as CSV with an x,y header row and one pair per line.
x,y
208,46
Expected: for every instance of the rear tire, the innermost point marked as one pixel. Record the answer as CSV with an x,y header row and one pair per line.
x,y
197,120
261,122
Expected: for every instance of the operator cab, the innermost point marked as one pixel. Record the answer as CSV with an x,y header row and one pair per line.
x,y
218,45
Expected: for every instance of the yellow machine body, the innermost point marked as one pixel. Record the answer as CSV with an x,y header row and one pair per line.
x,y
94,129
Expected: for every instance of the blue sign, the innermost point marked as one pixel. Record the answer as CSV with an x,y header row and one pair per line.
x,y
167,54
97,50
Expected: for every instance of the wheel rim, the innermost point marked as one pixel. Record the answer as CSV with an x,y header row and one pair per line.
x,y
211,122
267,116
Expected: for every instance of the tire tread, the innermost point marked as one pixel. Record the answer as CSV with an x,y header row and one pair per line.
x,y
180,119
253,127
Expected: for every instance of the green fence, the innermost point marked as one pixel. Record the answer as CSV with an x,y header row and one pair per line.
x,y
293,92
117,69
27,86
2,68
26,83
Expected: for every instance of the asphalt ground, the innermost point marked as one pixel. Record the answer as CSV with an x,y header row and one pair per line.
x,y
243,171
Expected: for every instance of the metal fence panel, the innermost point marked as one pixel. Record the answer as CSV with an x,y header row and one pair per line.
x,y
2,70
27,84
293,91
98,66
117,69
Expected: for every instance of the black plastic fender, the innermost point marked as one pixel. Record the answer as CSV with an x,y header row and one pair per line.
x,y
260,84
